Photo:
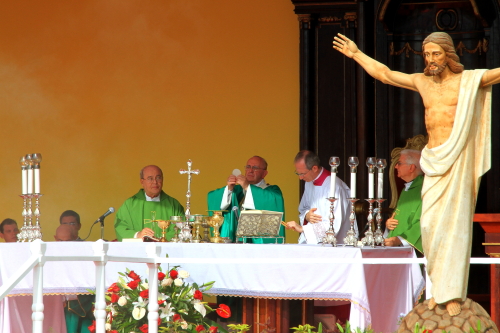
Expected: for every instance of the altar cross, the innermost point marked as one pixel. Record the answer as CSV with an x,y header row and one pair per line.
x,y
189,172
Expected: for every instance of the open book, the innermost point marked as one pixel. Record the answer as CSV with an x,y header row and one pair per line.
x,y
255,223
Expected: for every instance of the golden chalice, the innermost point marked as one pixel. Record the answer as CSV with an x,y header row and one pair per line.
x,y
163,224
215,221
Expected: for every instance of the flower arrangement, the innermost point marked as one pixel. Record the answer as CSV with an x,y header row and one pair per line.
x,y
181,306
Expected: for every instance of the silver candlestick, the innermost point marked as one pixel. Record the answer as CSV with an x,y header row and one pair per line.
x,y
189,172
330,233
37,229
379,235
351,238
369,239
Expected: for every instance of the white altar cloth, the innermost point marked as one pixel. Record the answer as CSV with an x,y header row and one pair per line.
x,y
378,293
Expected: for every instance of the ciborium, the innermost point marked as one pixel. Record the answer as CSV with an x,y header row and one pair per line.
x,y
163,224
215,221
197,223
177,220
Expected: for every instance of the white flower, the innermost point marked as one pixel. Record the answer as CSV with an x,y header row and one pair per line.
x,y
145,285
162,297
198,306
178,282
122,301
183,274
138,313
166,282
166,311
184,325
140,303
108,327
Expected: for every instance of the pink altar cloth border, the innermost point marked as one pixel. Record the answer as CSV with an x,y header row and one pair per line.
x,y
367,287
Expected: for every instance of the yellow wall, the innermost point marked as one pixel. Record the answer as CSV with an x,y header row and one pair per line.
x,y
102,88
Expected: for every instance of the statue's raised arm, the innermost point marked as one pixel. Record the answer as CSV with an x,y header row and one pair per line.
x,y
376,69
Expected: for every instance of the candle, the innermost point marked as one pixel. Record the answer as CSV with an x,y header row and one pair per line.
x,y
333,181
371,178
24,177
353,184
30,180
37,180
380,185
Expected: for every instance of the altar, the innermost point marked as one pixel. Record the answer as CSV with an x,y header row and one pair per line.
x,y
378,293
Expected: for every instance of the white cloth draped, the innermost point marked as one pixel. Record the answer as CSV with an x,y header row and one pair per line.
x,y
452,174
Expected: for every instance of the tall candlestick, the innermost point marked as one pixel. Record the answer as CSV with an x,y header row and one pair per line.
x,y
353,164
370,163
334,163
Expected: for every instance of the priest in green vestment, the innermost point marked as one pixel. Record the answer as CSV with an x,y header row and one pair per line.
x,y
247,192
404,225
150,203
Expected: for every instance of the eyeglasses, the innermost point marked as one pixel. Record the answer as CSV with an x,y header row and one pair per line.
x,y
158,179
254,167
302,174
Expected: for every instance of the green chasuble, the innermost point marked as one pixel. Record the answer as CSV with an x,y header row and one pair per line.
x,y
269,198
131,215
409,209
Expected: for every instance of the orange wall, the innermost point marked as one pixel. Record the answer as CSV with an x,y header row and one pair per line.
x,y
103,88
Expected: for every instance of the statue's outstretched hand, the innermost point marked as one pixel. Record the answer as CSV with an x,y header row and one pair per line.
x,y
344,45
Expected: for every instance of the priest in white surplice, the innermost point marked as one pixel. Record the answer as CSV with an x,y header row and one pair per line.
x,y
457,116
314,208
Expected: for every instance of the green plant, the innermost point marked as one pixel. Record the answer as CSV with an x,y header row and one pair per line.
x,y
307,328
233,328
347,329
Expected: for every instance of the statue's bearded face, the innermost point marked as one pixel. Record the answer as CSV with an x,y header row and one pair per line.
x,y
435,59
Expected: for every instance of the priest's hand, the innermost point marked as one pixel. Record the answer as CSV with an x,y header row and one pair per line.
x,y
145,232
242,180
312,217
392,241
293,225
344,45
231,181
391,223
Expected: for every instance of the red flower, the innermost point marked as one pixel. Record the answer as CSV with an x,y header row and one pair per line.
x,y
113,288
114,298
198,295
144,328
159,321
91,328
161,276
113,331
224,311
177,317
160,302
133,284
144,293
427,331
173,274
200,328
133,276
212,329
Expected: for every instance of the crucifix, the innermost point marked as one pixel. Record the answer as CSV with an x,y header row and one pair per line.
x,y
188,194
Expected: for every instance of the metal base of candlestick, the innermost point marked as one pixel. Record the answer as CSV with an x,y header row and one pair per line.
x,y
351,238
30,231
369,240
379,235
330,233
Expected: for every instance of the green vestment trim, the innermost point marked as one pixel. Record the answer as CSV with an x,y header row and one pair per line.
x,y
409,209
131,215
269,198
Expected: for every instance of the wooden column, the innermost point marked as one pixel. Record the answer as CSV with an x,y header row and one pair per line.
x,y
491,225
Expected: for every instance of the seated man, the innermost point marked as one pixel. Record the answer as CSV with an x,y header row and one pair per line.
x,y
65,233
71,218
314,207
9,230
129,221
404,225
246,192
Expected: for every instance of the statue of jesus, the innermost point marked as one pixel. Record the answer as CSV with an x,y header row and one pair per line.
x,y
457,117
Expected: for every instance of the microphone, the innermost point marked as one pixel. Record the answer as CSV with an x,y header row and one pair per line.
x,y
103,216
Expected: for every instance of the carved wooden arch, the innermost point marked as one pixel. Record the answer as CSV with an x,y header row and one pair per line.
x,y
418,142
385,3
